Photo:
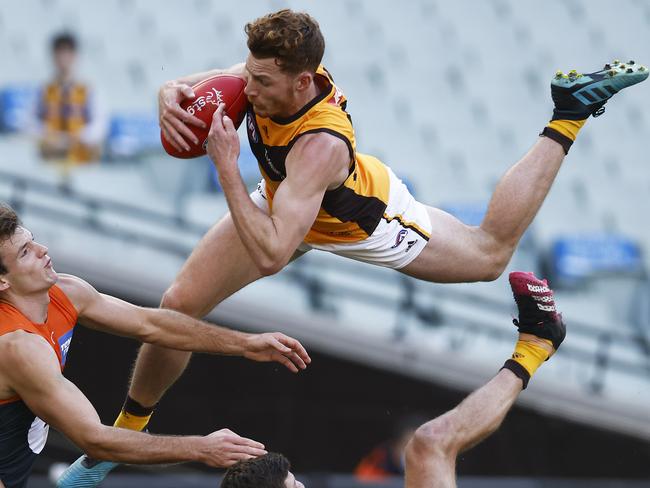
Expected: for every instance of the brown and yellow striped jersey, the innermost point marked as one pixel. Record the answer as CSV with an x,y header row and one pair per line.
x,y
349,213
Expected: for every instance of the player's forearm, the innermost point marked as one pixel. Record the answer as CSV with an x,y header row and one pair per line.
x,y
193,79
127,446
256,229
174,330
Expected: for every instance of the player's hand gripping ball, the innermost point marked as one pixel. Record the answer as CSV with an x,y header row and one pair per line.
x,y
226,89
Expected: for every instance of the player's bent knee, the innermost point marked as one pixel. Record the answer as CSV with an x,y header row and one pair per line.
x,y
177,299
433,438
493,271
501,261
269,268
491,257
495,262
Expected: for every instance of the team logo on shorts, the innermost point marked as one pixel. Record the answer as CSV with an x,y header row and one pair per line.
x,y
410,245
400,237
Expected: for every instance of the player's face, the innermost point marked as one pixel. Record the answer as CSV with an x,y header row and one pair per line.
x,y
292,482
29,268
64,60
270,90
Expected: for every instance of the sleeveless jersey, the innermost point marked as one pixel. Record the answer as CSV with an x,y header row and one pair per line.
x,y
349,213
22,434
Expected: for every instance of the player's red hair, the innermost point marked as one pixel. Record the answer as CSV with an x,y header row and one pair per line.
x,y
293,38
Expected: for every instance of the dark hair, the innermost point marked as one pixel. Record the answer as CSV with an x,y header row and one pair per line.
x,y
293,38
64,40
268,471
9,222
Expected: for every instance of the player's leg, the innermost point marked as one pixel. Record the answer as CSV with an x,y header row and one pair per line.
x,y
218,267
431,453
460,253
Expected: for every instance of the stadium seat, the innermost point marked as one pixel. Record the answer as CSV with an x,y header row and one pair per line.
x,y
17,108
576,258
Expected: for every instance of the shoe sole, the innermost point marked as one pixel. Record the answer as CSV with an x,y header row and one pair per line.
x,y
614,78
79,476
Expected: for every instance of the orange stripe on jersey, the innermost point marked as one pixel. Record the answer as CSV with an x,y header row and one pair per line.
x,y
57,329
349,213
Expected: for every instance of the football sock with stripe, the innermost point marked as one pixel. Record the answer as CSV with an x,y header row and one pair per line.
x,y
564,132
530,352
133,416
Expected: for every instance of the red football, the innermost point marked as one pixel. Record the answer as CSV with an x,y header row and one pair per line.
x,y
210,93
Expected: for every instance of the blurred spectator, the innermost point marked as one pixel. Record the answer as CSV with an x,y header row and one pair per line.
x,y
72,127
387,459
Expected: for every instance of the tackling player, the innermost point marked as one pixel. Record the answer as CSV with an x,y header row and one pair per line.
x,y
38,313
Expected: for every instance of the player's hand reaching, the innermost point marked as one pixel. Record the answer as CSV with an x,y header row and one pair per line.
x,y
173,118
223,141
278,347
224,448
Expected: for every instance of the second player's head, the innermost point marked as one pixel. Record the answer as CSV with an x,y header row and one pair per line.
x,y
286,48
269,471
25,267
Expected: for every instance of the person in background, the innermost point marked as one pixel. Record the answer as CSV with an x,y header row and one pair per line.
x,y
387,459
71,124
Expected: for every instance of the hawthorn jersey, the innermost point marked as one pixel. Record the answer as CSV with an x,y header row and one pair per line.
x,y
349,213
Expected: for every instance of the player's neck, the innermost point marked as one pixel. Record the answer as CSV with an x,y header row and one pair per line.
x,y
33,306
62,78
302,99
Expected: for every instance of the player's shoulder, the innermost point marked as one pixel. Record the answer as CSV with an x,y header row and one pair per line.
x,y
24,358
71,284
322,145
20,347
78,291
318,158
328,117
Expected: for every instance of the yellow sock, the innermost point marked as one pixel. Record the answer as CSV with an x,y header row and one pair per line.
x,y
132,422
532,353
568,128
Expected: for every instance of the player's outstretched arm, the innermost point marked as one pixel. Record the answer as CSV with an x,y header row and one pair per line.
x,y
178,331
31,368
315,163
173,118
